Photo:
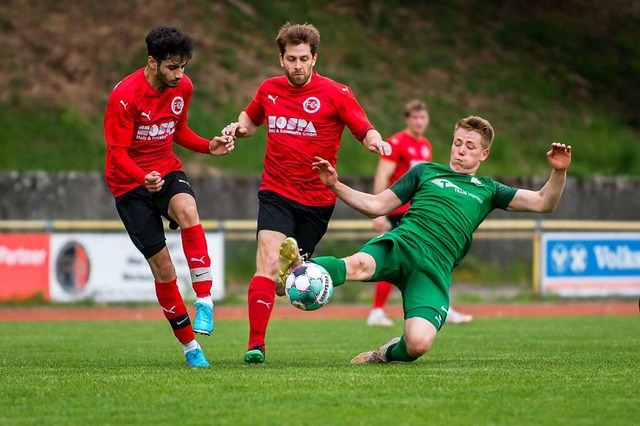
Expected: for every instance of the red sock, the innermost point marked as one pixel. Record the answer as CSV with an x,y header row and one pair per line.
x,y
194,245
260,298
174,310
383,290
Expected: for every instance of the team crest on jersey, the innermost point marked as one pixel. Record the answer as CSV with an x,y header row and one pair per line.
x,y
425,152
177,104
311,104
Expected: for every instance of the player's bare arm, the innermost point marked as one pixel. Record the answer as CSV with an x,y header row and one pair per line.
x,y
221,145
242,128
367,204
547,198
374,143
153,181
380,183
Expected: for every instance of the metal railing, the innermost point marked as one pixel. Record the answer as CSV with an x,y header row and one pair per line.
x,y
351,229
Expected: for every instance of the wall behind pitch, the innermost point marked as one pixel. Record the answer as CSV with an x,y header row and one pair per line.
x,y
73,195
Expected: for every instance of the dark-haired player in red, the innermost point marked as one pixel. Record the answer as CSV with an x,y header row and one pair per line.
x,y
304,114
146,113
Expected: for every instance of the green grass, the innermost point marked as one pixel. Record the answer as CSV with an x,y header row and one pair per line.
x,y
524,371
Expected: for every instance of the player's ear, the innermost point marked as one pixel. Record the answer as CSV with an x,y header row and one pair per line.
x,y
151,62
281,59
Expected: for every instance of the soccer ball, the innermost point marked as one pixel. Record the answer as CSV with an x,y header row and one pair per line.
x,y
309,286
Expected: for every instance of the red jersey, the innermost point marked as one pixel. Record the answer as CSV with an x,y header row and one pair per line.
x,y
304,122
406,152
140,125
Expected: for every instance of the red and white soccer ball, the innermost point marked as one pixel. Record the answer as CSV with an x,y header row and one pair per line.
x,y
309,286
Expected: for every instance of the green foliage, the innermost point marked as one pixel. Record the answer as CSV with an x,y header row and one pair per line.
x,y
51,140
539,71
524,371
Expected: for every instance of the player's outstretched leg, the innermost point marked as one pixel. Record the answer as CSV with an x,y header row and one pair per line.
x,y
289,259
379,355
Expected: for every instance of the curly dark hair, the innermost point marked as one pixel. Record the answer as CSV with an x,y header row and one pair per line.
x,y
169,42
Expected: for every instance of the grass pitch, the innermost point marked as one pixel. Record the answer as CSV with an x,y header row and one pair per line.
x,y
498,371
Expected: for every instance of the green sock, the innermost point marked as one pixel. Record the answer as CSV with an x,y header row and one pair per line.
x,y
335,267
398,352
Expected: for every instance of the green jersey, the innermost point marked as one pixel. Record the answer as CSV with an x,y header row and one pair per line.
x,y
446,208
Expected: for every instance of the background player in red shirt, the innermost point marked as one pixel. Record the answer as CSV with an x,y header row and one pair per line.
x,y
146,113
409,147
305,114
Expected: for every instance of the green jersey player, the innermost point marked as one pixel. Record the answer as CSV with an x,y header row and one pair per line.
x,y
448,203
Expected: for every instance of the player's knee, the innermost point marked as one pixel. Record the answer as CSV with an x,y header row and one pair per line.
x,y
418,345
359,267
162,267
268,267
188,216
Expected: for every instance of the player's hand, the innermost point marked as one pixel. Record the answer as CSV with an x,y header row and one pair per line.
x,y
153,181
328,175
221,145
234,130
559,156
380,146
381,224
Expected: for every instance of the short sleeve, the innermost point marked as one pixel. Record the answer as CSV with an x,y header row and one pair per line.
x,y
255,110
407,185
503,195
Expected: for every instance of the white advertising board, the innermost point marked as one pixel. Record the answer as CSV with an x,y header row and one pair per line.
x,y
107,267
591,264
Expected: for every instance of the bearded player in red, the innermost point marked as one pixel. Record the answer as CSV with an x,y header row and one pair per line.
x,y
305,114
146,113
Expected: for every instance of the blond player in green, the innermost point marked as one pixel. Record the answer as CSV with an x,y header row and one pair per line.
x,y
448,203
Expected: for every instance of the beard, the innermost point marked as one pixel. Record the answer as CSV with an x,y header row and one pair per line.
x,y
164,79
298,79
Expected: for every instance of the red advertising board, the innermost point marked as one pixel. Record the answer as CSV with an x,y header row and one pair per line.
x,y
24,266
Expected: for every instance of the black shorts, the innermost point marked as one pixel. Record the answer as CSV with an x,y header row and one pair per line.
x,y
141,212
306,224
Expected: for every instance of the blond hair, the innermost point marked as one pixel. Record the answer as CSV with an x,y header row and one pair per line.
x,y
480,125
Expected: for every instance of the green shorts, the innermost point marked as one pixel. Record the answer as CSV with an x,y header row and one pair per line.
x,y
423,281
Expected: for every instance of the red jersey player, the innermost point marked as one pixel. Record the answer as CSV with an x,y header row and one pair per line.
x,y
305,114
146,113
410,147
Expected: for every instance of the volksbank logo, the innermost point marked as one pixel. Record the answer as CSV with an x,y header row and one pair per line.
x,y
292,126
621,257
575,258
156,131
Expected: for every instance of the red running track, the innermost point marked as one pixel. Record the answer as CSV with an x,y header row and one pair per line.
x,y
284,310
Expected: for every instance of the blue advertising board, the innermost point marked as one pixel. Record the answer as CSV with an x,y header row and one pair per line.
x,y
590,263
